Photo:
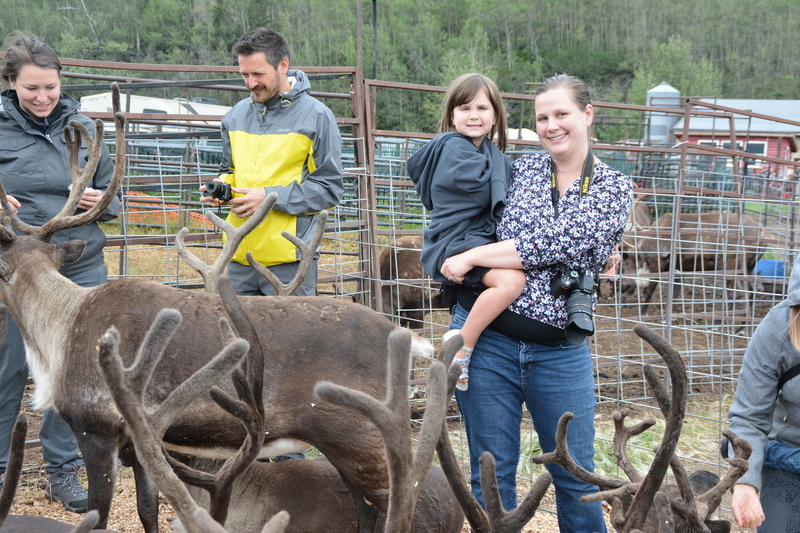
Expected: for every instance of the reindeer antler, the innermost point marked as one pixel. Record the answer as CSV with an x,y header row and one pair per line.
x,y
81,177
306,256
127,388
211,273
235,236
14,466
497,519
407,470
651,509
249,408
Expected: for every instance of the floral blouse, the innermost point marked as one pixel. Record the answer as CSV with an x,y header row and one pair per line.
x,y
593,222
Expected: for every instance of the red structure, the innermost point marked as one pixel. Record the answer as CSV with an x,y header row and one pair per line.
x,y
757,136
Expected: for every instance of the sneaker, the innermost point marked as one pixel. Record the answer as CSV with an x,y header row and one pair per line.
x,y
64,487
463,380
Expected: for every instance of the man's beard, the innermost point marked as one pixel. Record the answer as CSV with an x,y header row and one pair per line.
x,y
262,95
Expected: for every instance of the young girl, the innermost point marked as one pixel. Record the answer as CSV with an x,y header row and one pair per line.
x,y
462,178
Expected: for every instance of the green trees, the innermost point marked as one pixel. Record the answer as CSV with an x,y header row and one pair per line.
x,y
725,48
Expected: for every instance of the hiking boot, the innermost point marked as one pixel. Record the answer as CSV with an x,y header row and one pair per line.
x,y
64,487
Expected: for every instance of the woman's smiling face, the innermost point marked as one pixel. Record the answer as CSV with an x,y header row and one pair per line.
x,y
38,90
562,126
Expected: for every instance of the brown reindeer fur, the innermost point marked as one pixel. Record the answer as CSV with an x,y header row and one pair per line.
x,y
705,243
404,296
317,501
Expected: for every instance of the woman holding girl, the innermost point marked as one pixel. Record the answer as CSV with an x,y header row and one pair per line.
x,y
565,210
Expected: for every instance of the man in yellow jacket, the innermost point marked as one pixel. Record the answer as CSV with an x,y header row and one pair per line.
x,y
280,140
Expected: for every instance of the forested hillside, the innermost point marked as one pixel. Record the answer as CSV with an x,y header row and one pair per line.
x,y
724,48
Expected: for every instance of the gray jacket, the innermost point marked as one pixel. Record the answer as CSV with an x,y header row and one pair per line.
x,y
34,168
291,146
758,414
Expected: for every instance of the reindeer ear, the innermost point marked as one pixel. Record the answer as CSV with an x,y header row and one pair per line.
x,y
7,234
68,252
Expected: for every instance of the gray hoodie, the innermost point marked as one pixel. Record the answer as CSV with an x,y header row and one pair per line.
x,y
34,168
758,414
465,189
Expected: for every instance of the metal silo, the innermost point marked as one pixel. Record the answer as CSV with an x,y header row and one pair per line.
x,y
660,126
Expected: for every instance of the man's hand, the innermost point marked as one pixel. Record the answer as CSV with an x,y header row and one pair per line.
x,y
746,506
214,201
245,206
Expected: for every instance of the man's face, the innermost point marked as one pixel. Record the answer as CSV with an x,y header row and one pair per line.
x,y
264,81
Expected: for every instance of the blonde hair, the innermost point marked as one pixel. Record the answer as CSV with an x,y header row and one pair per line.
x,y
794,326
463,90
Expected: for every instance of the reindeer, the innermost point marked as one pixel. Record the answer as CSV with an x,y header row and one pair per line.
x,y
313,507
696,249
643,504
305,339
399,267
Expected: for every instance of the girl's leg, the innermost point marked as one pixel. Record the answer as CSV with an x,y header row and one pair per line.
x,y
504,286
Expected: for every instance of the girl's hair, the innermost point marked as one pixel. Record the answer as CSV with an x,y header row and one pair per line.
x,y
23,48
794,326
577,88
463,90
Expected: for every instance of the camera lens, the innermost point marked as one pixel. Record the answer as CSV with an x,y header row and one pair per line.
x,y
579,317
218,190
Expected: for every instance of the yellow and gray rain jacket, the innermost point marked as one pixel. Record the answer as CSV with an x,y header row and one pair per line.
x,y
291,146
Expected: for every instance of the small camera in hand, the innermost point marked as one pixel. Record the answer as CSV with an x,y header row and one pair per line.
x,y
578,287
219,190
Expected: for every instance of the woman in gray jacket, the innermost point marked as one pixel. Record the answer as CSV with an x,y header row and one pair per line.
x,y
34,169
769,419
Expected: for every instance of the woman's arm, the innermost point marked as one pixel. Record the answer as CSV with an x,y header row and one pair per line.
x,y
501,254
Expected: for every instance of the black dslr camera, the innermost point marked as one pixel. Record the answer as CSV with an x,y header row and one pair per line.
x,y
577,286
219,190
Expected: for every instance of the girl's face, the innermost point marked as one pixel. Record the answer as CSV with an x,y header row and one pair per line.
x,y
38,90
562,126
476,118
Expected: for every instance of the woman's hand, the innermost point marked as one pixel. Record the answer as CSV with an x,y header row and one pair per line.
x,y
89,198
746,506
13,202
501,254
456,267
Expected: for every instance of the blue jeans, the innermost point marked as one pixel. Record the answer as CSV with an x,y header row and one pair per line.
x,y
503,374
782,457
